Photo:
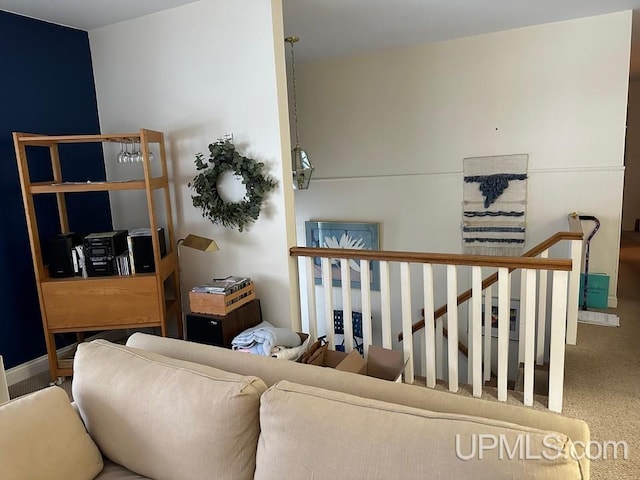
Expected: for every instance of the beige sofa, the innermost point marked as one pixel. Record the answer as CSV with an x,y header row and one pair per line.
x,y
167,409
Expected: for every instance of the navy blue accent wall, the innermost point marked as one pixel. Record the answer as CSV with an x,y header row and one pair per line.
x,y
47,87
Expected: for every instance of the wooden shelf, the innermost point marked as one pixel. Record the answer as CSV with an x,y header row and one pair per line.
x,y
89,186
30,139
78,304
48,187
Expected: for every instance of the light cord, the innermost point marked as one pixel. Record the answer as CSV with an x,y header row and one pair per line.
x,y
292,40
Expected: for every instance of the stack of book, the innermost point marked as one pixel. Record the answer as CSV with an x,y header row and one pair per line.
x,y
223,286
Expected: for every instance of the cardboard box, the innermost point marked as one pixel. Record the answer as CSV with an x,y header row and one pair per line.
x,y
220,304
381,362
597,290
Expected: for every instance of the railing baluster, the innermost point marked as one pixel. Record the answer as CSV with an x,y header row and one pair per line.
x,y
365,292
470,356
429,327
407,344
522,318
504,310
487,333
311,298
476,330
440,347
557,347
327,285
452,326
347,321
542,312
385,304
529,310
574,291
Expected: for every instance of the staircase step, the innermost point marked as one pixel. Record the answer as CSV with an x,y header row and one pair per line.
x,y
540,379
493,382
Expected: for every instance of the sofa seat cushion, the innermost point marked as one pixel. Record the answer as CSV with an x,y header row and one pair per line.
x,y
112,471
167,419
41,436
308,432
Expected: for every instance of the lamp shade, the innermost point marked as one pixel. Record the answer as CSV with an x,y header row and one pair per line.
x,y
302,169
197,242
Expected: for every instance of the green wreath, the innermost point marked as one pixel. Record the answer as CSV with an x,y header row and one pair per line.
x,y
223,157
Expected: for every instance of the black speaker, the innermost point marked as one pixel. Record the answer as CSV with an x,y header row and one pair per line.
x,y
142,251
61,258
220,330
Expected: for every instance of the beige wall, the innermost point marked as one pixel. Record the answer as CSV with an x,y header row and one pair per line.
x,y
388,131
198,72
631,205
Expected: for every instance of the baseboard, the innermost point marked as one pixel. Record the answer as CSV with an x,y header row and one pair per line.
x,y
612,301
41,364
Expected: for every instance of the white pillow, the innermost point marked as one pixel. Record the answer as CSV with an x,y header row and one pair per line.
x,y
42,437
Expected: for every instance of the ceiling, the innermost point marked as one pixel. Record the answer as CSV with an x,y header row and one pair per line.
x,y
332,28
87,14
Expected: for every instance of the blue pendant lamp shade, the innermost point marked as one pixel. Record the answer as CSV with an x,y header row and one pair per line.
x,y
301,165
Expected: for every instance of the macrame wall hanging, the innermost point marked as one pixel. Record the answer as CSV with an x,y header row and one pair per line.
x,y
494,205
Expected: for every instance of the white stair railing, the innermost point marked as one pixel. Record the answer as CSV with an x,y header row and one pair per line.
x,y
401,309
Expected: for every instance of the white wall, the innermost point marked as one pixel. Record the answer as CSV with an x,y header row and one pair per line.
x,y
198,72
631,206
387,132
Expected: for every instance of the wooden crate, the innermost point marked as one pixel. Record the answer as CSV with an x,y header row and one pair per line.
x,y
218,304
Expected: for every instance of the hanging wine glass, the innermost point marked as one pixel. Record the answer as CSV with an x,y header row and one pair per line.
x,y
136,155
122,155
129,152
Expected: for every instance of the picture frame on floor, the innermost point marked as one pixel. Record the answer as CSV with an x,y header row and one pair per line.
x,y
514,318
350,235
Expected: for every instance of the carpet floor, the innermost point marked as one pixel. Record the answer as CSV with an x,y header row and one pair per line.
x,y
602,374
36,382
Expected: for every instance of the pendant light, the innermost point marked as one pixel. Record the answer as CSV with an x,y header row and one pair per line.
x,y
301,165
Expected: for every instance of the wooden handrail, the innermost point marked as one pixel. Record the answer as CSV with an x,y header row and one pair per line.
x,y
435,258
527,261
574,234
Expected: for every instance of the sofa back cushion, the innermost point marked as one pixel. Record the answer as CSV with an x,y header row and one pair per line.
x,y
165,418
41,436
272,370
308,432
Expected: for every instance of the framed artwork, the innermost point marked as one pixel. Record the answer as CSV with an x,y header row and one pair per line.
x,y
514,319
359,236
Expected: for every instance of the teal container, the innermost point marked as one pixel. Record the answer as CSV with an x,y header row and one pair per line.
x,y
597,290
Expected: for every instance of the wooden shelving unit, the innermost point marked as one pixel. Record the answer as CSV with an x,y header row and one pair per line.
x,y
100,303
